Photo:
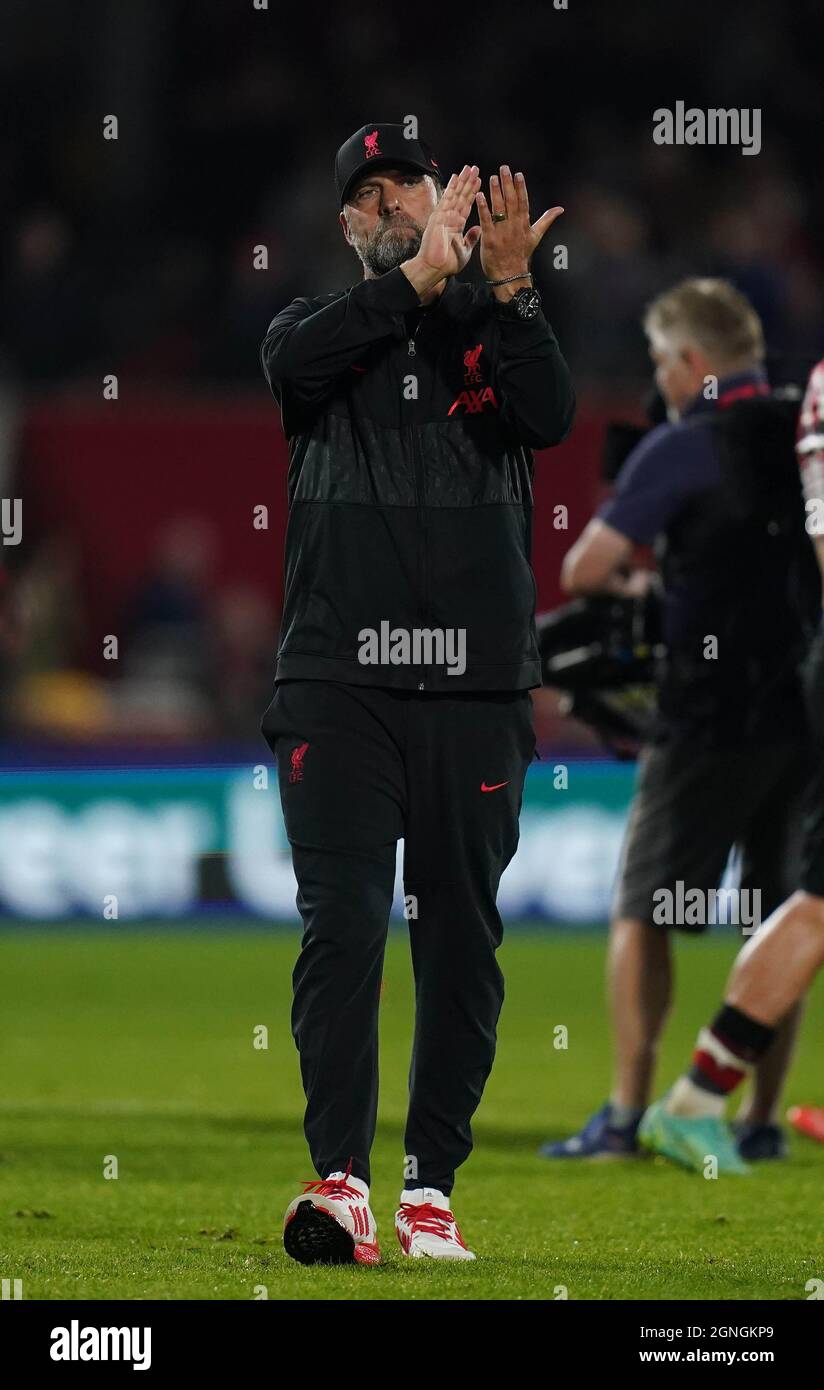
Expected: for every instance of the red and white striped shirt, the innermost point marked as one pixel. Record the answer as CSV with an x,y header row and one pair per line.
x,y
810,447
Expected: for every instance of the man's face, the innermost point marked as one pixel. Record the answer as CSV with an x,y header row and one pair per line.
x,y
680,369
385,216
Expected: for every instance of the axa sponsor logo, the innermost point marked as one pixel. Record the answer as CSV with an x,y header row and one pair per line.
x,y
474,402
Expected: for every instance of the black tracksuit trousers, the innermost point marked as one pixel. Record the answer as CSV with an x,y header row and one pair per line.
x,y
360,767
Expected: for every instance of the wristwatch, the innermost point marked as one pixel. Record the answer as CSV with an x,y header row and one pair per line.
x,y
525,305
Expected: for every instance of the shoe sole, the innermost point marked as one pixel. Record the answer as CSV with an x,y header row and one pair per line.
x,y
443,1259
313,1237
612,1158
429,1255
659,1148
605,1157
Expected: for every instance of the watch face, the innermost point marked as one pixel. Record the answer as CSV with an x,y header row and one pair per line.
x,y
527,302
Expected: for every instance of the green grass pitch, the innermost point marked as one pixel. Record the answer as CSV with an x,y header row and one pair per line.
x,y
139,1045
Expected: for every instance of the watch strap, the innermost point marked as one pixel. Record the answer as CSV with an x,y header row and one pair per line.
x,y
508,309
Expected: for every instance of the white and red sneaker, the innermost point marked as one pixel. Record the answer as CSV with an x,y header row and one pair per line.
x,y
331,1223
426,1227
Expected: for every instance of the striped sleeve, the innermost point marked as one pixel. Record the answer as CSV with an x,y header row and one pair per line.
x,y
810,441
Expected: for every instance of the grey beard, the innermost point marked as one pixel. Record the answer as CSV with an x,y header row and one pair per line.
x,y
389,246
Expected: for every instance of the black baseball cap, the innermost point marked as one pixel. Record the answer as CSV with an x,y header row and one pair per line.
x,y
380,145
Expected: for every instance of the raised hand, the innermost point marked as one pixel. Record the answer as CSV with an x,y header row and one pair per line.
x,y
509,241
445,248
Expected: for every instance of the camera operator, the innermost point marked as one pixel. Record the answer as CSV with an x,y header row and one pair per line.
x,y
716,490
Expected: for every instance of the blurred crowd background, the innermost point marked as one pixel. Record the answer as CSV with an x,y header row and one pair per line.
x,y
134,257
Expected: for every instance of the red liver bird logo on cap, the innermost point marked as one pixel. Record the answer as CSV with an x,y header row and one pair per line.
x,y
370,144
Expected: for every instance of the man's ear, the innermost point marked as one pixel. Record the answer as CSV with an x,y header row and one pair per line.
x,y
344,222
692,358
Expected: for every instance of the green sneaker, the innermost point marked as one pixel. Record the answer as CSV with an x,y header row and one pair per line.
x,y
690,1142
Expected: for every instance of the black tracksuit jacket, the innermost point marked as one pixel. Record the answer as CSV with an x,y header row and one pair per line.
x,y
410,434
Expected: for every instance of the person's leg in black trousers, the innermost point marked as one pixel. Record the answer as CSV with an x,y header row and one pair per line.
x,y
343,802
466,760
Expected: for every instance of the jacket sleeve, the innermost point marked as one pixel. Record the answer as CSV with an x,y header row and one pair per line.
x,y
537,395
306,349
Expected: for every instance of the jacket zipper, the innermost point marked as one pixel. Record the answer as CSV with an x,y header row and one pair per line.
x,y
418,465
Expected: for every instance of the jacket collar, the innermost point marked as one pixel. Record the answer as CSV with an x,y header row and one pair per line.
x,y
449,301
457,301
738,385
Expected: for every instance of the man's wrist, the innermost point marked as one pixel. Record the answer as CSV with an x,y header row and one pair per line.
x,y
504,293
422,277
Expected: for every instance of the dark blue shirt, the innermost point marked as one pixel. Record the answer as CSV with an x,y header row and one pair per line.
x,y
720,578
671,466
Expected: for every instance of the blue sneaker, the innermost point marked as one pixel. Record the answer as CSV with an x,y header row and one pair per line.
x,y
758,1142
598,1139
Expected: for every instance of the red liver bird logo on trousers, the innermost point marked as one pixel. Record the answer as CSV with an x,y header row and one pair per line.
x,y
298,754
